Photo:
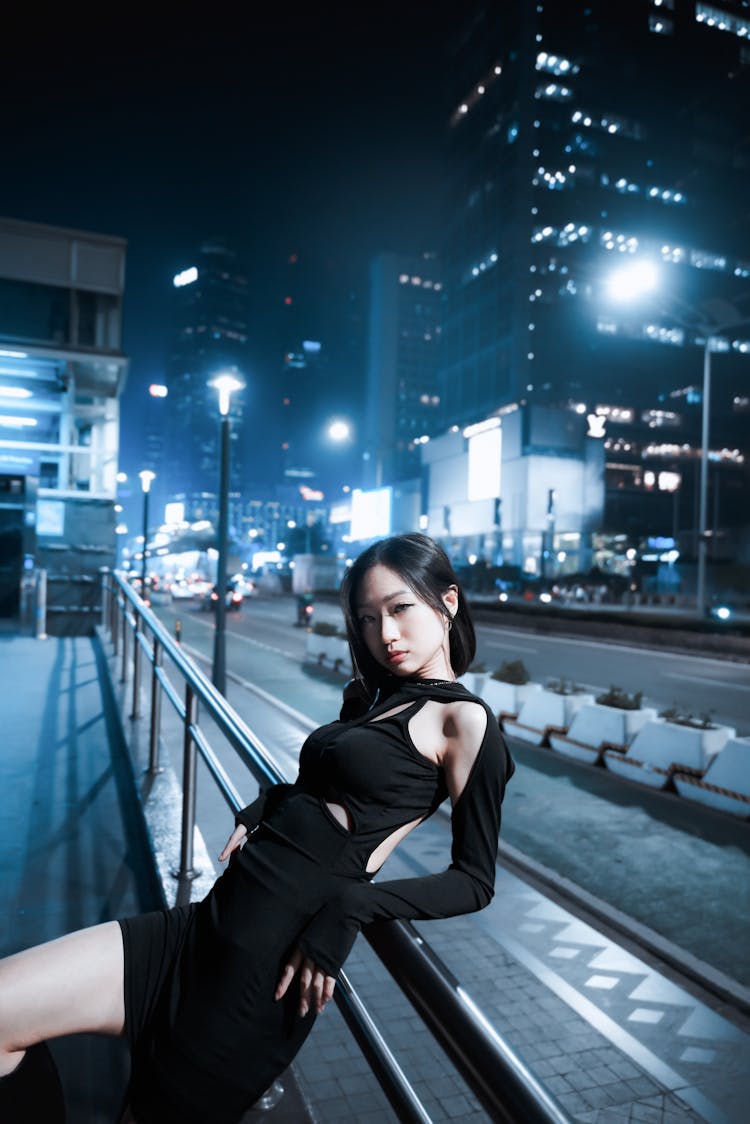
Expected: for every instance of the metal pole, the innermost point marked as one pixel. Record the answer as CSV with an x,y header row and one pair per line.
x,y
125,626
700,597
155,727
40,628
189,762
219,677
145,536
135,711
115,606
105,596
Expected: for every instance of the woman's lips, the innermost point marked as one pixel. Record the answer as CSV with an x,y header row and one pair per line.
x,y
396,657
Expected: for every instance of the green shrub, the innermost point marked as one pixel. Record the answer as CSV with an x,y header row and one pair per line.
x,y
512,671
615,696
325,628
563,686
681,717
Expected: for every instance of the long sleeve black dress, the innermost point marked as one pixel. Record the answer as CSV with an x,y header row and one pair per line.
x,y
206,1035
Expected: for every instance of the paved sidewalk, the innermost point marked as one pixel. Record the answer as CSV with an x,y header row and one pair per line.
x,y
73,850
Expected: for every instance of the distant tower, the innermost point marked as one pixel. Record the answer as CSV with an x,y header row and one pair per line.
x,y
210,335
585,136
403,401
319,328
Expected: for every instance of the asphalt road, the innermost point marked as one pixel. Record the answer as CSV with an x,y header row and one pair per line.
x,y
697,684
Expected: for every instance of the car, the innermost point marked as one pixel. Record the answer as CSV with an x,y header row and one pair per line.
x,y
246,586
182,591
233,597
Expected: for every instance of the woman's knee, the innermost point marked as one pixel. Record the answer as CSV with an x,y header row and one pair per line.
x,y
71,984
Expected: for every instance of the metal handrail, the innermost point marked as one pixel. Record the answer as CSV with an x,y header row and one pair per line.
x,y
498,1078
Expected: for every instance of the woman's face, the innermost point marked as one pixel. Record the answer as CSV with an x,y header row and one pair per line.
x,y
401,631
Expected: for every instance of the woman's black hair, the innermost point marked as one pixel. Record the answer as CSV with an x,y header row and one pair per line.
x,y
426,569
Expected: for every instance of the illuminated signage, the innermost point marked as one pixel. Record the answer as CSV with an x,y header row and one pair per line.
x,y
597,425
371,513
485,457
185,278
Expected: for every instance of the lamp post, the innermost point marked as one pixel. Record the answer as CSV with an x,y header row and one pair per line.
x,y
225,384
709,319
146,478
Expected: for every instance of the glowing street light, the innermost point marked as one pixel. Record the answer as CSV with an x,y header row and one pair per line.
x,y
339,430
633,281
226,384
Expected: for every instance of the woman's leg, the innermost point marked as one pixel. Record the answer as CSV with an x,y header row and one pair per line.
x,y
70,985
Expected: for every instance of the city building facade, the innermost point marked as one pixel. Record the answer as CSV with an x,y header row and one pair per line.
x,y
597,250
62,371
210,334
404,332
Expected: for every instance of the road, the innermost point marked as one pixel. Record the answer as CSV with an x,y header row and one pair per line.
x,y
697,684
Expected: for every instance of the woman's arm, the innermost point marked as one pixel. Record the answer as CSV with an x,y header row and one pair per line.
x,y
477,767
247,819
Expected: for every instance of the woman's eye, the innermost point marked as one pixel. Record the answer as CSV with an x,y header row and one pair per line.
x,y
400,608
363,621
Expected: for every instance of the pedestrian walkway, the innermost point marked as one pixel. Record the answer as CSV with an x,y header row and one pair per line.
x,y
612,1037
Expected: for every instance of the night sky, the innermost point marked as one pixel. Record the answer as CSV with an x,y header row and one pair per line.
x,y
314,128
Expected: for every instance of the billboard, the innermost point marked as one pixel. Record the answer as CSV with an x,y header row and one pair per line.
x,y
371,513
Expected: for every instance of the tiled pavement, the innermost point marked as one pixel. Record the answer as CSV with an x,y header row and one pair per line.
x,y
612,1038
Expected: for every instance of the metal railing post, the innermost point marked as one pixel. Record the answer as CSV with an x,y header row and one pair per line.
x,y
155,726
124,669
105,595
189,762
40,608
114,620
135,709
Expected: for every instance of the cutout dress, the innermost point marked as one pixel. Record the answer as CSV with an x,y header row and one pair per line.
x,y
206,1036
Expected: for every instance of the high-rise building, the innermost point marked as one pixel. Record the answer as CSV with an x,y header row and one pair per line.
x,y
209,337
403,403
598,235
317,395
62,371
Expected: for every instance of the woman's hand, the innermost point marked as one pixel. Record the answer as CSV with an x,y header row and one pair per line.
x,y
315,987
235,840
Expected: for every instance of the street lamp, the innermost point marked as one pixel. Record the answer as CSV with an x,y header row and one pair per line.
x,y
146,477
225,384
709,321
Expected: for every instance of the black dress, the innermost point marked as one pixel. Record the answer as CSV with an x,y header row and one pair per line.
x,y
207,1037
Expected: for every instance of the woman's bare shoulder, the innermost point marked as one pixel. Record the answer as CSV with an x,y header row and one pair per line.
x,y
466,724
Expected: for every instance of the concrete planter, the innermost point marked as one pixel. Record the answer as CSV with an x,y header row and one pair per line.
x,y
725,785
506,699
661,749
473,681
545,712
596,728
333,651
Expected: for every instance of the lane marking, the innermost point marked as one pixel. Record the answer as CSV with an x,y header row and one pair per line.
x,y
701,679
252,640
668,652
290,712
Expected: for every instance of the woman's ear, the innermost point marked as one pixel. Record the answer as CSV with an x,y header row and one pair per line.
x,y
450,599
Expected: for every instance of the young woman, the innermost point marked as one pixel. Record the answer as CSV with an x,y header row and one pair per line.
x,y
217,997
